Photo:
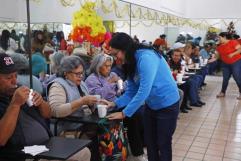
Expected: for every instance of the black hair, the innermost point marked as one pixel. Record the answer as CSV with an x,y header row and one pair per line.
x,y
59,35
4,40
226,35
207,45
126,44
163,36
235,36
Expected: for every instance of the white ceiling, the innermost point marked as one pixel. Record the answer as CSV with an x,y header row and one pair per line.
x,y
203,9
176,7
213,9
53,11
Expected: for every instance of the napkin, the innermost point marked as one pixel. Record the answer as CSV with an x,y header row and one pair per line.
x,y
35,149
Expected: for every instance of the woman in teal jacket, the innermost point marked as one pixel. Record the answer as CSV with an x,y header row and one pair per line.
x,y
149,81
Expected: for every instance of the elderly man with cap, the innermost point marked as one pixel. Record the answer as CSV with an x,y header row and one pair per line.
x,y
21,125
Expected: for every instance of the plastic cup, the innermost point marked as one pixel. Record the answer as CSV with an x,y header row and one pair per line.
x,y
205,61
102,110
30,98
190,61
196,65
179,77
120,84
98,97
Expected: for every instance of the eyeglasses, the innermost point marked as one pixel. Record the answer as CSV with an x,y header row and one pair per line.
x,y
78,74
114,52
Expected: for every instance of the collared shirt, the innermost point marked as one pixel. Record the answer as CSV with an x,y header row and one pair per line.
x,y
204,54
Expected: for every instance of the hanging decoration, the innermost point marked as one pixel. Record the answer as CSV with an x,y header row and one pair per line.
x,y
231,28
140,13
67,3
23,26
87,25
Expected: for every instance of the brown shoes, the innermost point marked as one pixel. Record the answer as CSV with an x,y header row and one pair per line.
x,y
220,95
239,97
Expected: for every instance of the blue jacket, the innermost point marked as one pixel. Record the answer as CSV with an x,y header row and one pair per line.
x,y
153,84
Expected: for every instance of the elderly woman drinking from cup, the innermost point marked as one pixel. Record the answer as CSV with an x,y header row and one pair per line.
x,y
102,81
108,85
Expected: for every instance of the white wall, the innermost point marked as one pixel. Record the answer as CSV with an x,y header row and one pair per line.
x,y
151,33
213,9
141,31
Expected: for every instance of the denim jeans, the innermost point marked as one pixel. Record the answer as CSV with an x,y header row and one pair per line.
x,y
231,69
194,83
159,126
203,73
212,67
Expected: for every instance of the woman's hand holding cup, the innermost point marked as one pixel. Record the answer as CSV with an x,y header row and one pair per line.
x,y
89,100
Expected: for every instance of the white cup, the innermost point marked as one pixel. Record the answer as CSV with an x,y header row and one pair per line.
x,y
30,98
183,70
189,61
102,110
120,84
196,65
205,61
179,77
201,60
98,97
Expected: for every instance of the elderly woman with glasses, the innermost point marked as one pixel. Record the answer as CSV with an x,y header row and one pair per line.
x,y
102,81
67,94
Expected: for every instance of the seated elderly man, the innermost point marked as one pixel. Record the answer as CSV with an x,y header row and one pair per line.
x,y
21,125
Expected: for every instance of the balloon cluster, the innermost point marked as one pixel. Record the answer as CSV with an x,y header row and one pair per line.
x,y
87,25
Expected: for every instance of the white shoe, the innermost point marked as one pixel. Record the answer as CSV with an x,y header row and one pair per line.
x,y
141,158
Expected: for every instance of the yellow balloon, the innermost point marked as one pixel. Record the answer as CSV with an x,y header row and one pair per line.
x,y
87,16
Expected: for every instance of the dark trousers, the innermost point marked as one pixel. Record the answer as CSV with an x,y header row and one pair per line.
x,y
203,72
135,132
194,83
159,126
231,69
185,88
212,67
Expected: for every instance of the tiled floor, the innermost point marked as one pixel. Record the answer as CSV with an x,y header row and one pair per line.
x,y
213,132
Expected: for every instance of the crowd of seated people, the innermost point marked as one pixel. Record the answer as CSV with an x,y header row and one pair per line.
x,y
69,88
180,62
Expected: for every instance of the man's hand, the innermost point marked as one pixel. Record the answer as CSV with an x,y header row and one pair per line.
x,y
37,99
175,71
20,96
116,116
